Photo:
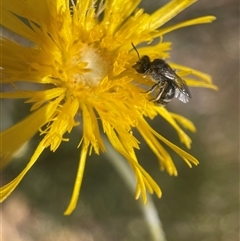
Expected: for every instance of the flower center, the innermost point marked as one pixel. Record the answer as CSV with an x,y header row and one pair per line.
x,y
96,67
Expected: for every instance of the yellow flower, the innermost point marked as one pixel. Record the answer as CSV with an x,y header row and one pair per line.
x,y
83,57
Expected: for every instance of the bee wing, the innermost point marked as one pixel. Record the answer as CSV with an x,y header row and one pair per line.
x,y
182,92
181,96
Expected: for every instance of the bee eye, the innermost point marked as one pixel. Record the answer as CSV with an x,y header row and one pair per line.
x,y
139,67
145,61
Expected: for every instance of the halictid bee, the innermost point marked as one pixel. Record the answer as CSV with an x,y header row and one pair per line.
x,y
167,83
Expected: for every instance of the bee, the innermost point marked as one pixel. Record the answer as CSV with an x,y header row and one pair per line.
x,y
167,83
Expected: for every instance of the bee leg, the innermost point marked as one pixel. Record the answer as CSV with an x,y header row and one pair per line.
x,y
158,96
158,99
151,89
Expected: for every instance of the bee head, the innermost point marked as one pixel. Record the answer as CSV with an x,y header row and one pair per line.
x,y
143,65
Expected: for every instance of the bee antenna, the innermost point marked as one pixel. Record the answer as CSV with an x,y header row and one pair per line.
x,y
135,50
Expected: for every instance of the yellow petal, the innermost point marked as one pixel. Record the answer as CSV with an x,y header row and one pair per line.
x,y
185,156
78,181
205,77
116,12
63,122
91,131
184,138
187,124
12,22
168,11
163,156
6,190
197,83
24,131
201,20
39,97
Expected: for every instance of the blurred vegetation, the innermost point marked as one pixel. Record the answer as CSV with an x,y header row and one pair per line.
x,y
202,203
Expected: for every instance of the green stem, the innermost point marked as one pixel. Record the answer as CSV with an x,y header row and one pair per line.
x,y
149,210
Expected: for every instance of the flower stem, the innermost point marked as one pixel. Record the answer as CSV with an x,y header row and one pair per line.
x,y
149,210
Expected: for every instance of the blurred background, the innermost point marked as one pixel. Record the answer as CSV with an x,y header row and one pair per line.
x,y
202,203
